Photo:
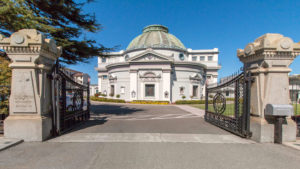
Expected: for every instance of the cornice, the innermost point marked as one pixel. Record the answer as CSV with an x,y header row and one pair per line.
x,y
190,63
269,47
29,45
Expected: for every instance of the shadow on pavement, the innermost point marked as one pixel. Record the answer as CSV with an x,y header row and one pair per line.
x,y
112,109
99,113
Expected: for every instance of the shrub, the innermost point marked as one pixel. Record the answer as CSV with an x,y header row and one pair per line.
x,y
97,94
111,95
230,99
183,97
149,102
4,107
193,102
118,96
107,100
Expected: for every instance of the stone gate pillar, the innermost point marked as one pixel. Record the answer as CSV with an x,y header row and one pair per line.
x,y
32,58
268,58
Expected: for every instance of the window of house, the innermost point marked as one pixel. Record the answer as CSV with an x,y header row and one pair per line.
x,y
202,58
181,56
195,91
194,58
104,77
97,91
227,93
149,90
112,90
181,90
166,94
122,90
103,60
210,58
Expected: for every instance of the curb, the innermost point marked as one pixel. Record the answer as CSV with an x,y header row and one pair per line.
x,y
11,143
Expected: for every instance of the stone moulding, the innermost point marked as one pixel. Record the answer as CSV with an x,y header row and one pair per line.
x,y
269,46
30,41
150,77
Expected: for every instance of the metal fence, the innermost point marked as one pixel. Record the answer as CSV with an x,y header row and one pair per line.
x,y
4,105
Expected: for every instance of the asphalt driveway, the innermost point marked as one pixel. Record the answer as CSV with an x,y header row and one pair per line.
x,y
135,118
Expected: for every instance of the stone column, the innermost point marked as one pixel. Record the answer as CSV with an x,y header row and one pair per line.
x,y
30,101
268,58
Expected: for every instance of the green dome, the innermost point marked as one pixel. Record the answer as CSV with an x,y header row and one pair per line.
x,y
155,36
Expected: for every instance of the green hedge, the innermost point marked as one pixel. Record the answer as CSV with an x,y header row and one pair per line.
x,y
201,101
230,99
149,102
101,99
192,102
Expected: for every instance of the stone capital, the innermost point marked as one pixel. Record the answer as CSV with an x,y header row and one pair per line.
x,y
29,48
269,50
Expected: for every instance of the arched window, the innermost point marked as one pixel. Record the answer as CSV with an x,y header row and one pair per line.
x,y
181,90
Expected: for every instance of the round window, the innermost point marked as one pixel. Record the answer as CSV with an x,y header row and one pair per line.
x,y
126,57
181,56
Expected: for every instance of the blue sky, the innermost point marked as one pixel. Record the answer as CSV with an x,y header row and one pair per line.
x,y
224,24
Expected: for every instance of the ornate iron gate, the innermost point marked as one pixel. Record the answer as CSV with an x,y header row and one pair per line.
x,y
71,101
228,104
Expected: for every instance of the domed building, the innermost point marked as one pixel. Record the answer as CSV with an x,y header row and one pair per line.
x,y
157,66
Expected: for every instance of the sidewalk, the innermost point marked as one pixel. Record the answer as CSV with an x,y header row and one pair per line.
x,y
294,145
192,110
6,142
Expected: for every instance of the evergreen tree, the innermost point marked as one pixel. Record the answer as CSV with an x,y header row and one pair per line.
x,y
5,78
62,20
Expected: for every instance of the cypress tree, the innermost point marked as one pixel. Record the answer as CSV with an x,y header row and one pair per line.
x,y
62,20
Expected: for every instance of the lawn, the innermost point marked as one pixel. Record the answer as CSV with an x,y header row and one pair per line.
x,y
229,111
297,112
230,108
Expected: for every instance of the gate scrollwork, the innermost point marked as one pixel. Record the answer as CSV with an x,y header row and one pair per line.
x,y
219,103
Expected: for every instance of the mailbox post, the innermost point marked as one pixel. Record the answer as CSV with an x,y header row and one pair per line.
x,y
279,112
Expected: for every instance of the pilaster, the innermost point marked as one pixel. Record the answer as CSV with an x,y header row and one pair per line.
x,y
166,85
133,84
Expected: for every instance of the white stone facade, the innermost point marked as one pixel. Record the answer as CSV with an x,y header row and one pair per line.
x,y
93,89
79,77
156,66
